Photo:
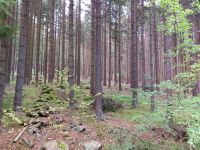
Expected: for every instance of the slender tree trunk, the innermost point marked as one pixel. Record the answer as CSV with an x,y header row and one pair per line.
x,y
71,55
3,48
110,48
98,54
92,79
38,40
134,53
119,42
143,46
155,39
105,47
63,37
21,56
115,57
78,78
151,62
51,60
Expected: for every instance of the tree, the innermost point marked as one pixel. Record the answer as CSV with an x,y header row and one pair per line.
x,y
92,58
78,45
119,44
110,47
21,56
143,66
134,53
98,55
38,40
51,60
63,36
71,55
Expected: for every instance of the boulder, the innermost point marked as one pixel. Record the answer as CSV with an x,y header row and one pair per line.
x,y
55,145
92,145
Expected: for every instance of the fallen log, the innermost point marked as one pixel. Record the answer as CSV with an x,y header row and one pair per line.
x,y
20,134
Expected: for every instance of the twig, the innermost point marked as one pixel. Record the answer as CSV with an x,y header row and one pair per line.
x,y
19,135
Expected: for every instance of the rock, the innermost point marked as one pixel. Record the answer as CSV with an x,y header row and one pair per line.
x,y
33,130
28,143
11,131
43,113
55,145
32,114
92,145
80,128
58,120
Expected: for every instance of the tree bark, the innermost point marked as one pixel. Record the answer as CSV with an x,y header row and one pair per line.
x,y
71,55
134,53
21,56
51,60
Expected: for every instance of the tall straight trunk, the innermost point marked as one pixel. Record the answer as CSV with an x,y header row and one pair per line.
x,y
115,57
29,50
39,3
15,42
155,39
151,61
59,51
63,37
98,55
78,77
46,46
110,48
143,46
119,43
76,44
51,60
71,54
3,48
105,47
167,58
21,56
134,53
93,45
46,53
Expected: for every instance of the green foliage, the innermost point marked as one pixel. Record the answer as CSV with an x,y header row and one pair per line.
x,y
63,75
6,30
11,119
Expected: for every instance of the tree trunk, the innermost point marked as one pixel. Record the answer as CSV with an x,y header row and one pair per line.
x,y
110,48
71,55
119,44
21,56
39,3
98,55
143,65
3,48
134,53
51,60
78,78
92,79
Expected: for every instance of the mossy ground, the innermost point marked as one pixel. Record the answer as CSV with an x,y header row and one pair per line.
x,y
142,119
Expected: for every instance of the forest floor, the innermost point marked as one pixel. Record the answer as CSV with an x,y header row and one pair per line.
x,y
46,117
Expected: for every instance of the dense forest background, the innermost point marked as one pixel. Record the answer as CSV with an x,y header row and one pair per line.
x,y
136,60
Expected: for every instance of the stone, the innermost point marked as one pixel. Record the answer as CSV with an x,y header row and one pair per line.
x,y
55,145
11,131
80,128
28,143
92,145
43,113
58,120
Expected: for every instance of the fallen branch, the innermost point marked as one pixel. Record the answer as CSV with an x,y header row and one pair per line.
x,y
19,135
